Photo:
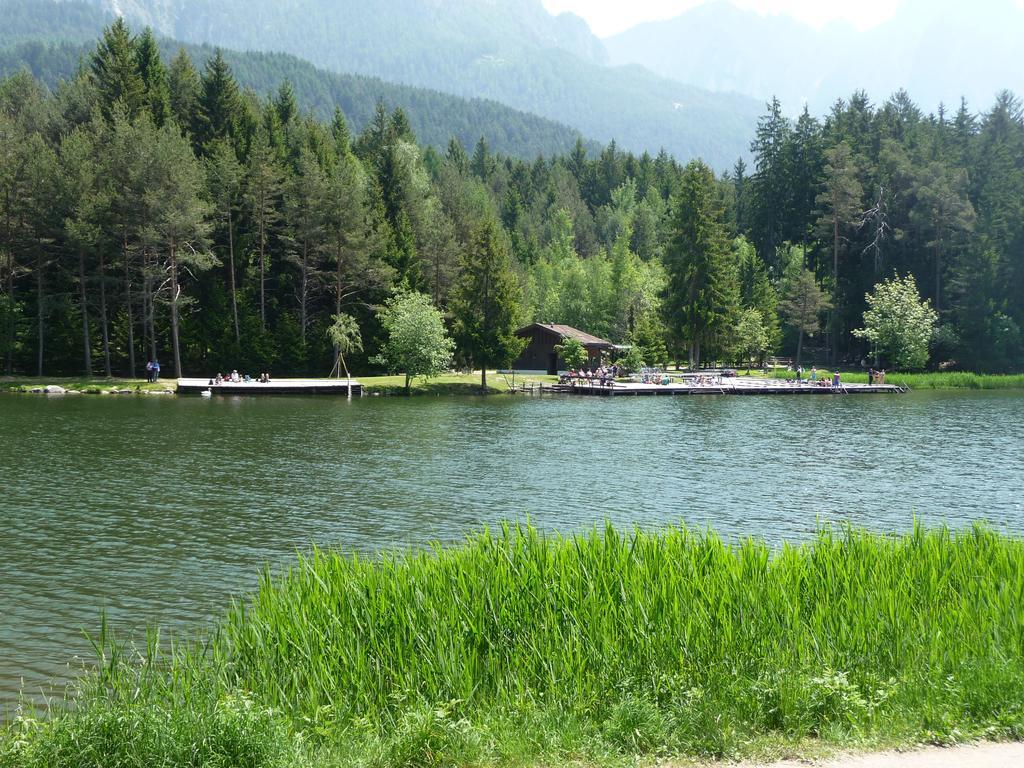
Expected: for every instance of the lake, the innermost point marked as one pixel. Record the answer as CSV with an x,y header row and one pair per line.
x,y
159,510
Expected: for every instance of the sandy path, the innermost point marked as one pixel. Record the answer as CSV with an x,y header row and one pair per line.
x,y
968,756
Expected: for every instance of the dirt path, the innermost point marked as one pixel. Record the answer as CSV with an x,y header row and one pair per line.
x,y
968,756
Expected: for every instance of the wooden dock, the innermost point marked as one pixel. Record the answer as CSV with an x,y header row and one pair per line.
x,y
727,386
274,387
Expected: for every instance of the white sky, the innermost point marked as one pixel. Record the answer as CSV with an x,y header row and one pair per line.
x,y
606,17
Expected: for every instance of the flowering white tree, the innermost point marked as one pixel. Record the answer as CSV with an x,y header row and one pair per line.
x,y
898,323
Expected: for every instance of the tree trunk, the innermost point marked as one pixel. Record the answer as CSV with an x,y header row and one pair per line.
x,y
86,344
128,304
11,323
148,307
39,313
348,376
832,319
263,277
231,270
483,378
104,324
303,288
799,347
408,385
938,276
174,313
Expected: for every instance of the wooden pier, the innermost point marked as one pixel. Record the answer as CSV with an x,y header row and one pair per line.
x,y
274,387
727,386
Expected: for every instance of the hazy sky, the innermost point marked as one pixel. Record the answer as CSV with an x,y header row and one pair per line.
x,y
606,17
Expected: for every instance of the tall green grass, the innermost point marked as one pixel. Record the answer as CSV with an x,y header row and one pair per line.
x,y
518,643
934,380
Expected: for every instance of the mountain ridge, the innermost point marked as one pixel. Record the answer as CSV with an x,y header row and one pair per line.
x,y
510,51
434,116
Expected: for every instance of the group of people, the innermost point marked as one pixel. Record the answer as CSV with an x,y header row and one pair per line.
x,y
602,375
654,376
819,378
152,370
236,378
876,377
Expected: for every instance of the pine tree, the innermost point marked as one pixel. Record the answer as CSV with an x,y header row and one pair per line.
x,y
285,104
184,88
219,102
224,181
262,195
177,231
154,78
305,209
703,292
839,203
770,186
115,70
486,305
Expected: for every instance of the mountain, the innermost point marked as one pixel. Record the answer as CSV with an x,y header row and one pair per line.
x,y
52,39
511,51
938,50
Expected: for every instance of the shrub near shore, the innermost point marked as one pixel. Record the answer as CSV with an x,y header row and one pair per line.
x,y
516,647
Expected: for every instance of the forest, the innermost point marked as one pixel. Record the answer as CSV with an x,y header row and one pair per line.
x,y
154,208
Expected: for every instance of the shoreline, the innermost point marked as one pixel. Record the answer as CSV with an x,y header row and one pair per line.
x,y
469,384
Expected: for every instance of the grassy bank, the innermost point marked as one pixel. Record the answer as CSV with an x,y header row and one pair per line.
x,y
936,380
92,386
449,384
517,648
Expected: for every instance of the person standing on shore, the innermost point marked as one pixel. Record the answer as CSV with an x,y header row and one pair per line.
x,y
156,371
149,371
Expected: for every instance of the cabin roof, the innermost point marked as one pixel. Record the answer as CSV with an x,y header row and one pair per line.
x,y
566,332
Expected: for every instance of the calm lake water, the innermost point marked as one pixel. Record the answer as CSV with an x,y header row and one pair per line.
x,y
160,509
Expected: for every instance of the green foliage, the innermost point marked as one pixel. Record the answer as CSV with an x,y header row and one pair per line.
x,y
751,336
573,353
633,360
417,343
802,304
345,336
899,323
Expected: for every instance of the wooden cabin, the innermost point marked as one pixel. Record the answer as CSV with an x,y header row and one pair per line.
x,y
540,354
